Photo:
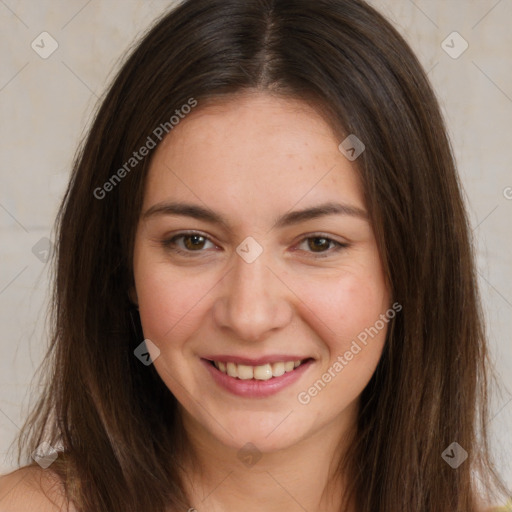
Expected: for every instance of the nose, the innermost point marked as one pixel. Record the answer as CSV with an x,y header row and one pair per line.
x,y
253,302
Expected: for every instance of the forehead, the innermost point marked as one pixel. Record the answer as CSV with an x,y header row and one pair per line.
x,y
251,151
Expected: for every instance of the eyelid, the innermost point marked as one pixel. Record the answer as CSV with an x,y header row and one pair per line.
x,y
319,234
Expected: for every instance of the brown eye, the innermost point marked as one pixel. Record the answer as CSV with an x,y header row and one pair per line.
x,y
188,243
192,242
319,244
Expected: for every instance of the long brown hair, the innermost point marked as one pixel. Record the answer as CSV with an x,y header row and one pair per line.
x,y
114,418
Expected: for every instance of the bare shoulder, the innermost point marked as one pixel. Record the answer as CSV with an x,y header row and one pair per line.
x,y
31,488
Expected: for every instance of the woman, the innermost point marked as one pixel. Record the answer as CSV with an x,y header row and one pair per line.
x,y
265,292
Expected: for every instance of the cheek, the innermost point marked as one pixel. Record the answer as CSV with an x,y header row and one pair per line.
x,y
168,302
344,306
348,320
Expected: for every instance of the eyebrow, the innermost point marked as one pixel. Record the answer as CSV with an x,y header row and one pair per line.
x,y
288,219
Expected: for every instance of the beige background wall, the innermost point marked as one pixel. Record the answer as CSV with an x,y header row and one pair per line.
x,y
45,105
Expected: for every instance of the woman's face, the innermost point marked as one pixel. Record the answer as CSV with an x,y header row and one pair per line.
x,y
254,252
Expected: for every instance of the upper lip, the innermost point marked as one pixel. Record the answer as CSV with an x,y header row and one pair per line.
x,y
274,358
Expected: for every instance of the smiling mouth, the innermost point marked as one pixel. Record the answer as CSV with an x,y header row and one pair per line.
x,y
262,372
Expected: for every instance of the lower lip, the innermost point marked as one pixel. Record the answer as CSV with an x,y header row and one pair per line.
x,y
254,388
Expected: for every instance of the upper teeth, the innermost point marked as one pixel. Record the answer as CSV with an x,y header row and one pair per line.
x,y
263,372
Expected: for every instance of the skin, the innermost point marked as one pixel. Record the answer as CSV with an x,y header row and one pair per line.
x,y
252,159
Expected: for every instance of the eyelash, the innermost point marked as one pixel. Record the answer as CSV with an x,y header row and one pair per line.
x,y
170,244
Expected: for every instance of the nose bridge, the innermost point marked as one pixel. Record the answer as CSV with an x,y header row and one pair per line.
x,y
253,301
